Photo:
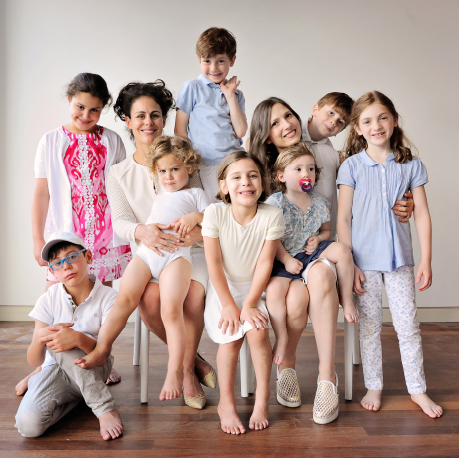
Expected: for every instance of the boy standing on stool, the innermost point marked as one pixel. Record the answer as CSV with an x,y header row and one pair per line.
x,y
67,321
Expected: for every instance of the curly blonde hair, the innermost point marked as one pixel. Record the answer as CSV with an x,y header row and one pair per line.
x,y
399,142
287,157
178,146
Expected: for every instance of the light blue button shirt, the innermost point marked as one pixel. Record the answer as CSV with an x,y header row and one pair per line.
x,y
380,242
300,227
209,127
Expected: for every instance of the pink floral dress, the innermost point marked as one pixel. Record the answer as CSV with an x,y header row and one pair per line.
x,y
84,162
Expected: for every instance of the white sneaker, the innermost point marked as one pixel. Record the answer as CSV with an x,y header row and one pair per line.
x,y
326,403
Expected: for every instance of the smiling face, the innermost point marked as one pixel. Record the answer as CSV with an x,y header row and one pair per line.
x,y
243,183
376,124
327,121
302,167
216,68
72,274
85,111
285,128
146,121
173,175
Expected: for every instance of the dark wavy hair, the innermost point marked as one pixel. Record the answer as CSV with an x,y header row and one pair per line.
x,y
92,84
133,91
260,128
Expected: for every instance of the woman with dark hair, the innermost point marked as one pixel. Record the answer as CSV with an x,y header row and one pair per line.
x,y
144,107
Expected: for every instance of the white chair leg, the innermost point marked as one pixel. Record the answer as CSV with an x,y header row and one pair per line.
x,y
136,338
356,347
144,362
348,351
243,364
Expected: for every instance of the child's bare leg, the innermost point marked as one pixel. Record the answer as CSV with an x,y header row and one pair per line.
x,y
276,293
260,349
428,405
23,384
372,400
132,287
173,293
340,254
226,365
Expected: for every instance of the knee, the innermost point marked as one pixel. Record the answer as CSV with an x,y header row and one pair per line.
x,y
149,304
32,423
257,337
194,301
321,280
408,330
343,252
171,315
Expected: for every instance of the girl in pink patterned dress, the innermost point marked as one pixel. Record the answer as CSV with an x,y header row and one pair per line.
x,y
71,166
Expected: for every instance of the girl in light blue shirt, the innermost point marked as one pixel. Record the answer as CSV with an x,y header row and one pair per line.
x,y
380,168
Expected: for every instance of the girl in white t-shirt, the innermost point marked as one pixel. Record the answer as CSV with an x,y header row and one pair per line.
x,y
240,240
172,160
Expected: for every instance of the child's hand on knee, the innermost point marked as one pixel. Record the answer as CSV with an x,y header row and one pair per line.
x,y
311,245
359,278
293,266
229,320
254,317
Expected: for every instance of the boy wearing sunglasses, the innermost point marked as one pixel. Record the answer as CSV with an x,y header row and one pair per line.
x,y
68,318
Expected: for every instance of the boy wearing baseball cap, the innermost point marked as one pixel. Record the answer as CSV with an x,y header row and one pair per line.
x,y
67,322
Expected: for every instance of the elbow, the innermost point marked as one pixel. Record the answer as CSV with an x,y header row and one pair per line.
x,y
241,132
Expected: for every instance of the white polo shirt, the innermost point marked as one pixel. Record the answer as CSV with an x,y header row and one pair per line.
x,y
327,159
55,307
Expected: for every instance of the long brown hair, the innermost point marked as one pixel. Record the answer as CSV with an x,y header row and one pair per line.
x,y
399,142
260,128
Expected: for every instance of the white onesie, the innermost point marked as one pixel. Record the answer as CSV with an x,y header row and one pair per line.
x,y
167,207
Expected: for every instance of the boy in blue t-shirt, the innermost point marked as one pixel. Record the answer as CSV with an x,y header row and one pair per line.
x,y
211,109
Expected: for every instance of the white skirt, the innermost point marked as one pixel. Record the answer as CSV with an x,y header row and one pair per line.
x,y
213,311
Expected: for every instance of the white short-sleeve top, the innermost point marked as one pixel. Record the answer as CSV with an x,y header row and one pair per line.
x,y
241,245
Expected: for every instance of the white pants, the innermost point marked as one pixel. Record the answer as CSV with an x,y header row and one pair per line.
x,y
400,288
209,179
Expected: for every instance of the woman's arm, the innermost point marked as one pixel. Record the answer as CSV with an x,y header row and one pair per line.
x,y
40,205
263,269
404,209
181,123
230,312
424,230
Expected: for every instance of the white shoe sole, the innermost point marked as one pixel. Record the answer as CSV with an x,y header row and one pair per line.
x,y
288,404
326,420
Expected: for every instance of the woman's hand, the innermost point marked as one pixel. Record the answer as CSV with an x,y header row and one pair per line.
x,y
194,236
37,248
404,209
229,319
254,317
425,269
359,277
152,237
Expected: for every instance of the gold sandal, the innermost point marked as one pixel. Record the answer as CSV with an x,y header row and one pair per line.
x,y
210,379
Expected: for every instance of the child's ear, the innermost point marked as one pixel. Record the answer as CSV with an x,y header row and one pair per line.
x,y
315,109
280,176
88,256
233,60
359,132
396,122
190,169
223,186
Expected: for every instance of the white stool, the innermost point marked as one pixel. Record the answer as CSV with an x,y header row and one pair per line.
x,y
138,322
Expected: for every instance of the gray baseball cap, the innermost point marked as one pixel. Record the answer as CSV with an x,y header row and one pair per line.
x,y
61,236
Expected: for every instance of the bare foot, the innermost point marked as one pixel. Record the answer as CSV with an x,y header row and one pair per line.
x,y
172,387
96,358
350,313
23,385
259,419
114,378
428,406
229,419
191,385
111,425
279,349
372,401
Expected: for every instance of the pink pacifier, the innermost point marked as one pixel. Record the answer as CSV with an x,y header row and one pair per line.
x,y
305,185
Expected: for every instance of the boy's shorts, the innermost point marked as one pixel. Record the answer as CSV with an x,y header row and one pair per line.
x,y
209,179
307,260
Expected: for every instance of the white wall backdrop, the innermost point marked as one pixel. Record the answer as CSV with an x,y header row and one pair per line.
x,y
297,50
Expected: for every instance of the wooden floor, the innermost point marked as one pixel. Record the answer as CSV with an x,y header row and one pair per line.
x,y
171,429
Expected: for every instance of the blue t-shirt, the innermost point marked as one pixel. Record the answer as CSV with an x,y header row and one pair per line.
x,y
209,127
380,242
